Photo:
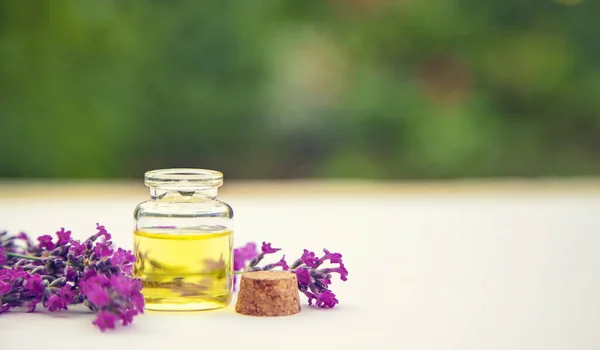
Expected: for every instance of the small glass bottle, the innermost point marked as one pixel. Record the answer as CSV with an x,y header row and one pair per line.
x,y
183,241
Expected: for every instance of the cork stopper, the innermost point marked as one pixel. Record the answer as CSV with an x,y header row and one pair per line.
x,y
268,293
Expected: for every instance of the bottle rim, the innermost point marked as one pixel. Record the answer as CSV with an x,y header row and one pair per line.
x,y
183,178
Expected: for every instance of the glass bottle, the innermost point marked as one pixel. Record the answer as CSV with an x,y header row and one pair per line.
x,y
183,241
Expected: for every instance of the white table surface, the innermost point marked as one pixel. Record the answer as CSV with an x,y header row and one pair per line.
x,y
454,271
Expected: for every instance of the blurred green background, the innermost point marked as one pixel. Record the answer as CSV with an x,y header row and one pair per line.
x,y
385,89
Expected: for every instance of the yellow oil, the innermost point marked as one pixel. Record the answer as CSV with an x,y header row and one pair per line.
x,y
184,270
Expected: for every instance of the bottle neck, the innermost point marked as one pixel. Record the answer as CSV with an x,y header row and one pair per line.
x,y
159,193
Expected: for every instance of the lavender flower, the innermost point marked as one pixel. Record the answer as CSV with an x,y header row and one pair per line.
x,y
266,248
334,258
67,272
313,281
326,300
302,275
102,250
94,288
340,269
77,248
5,287
63,296
64,237
249,253
309,258
101,233
281,263
118,295
46,242
242,255
123,259
34,284
26,290
105,320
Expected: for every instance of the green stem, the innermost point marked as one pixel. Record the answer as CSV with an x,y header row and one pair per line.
x,y
23,256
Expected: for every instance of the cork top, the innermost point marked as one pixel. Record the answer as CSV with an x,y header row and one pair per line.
x,y
269,275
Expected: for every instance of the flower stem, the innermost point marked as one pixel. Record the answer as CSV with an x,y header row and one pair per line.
x,y
23,256
244,271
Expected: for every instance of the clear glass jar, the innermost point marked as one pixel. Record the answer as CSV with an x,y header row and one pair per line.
x,y
183,241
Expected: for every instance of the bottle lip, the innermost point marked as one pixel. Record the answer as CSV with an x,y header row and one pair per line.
x,y
183,178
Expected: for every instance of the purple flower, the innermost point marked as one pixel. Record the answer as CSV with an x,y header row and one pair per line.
x,y
2,256
122,256
309,258
281,263
102,250
334,258
266,248
136,285
64,237
35,284
326,300
309,295
70,274
46,242
121,284
68,292
11,274
105,320
55,302
94,291
100,280
5,287
123,259
312,282
25,289
118,294
97,296
303,276
77,248
137,299
101,232
127,316
23,236
340,269
242,255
